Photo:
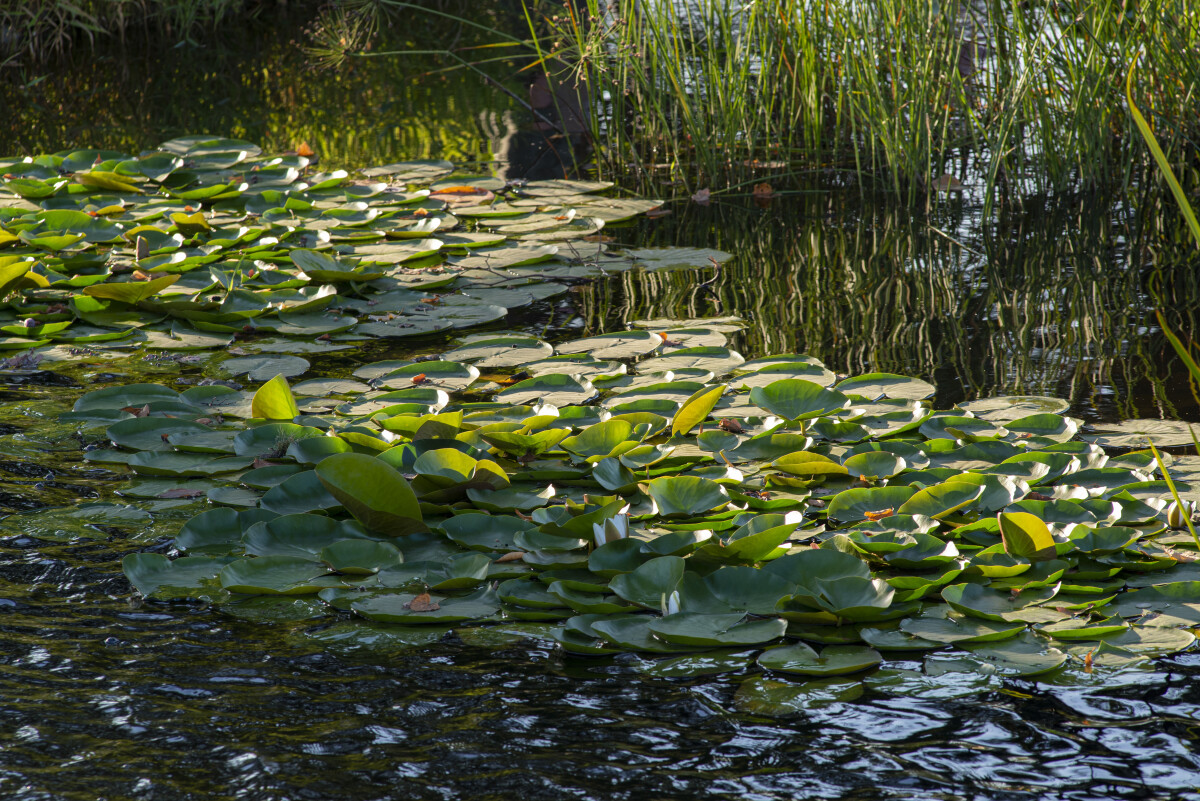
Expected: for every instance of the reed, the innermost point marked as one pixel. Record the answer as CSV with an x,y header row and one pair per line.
x,y
1008,97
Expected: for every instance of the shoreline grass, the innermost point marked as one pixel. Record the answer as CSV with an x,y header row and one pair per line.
x,y
32,32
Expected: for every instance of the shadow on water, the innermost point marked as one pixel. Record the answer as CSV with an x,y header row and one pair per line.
x,y
108,698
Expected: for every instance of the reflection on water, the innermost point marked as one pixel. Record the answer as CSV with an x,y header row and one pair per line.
x,y
254,82
1052,299
107,700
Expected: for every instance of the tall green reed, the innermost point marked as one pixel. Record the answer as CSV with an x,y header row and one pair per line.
x,y
1007,96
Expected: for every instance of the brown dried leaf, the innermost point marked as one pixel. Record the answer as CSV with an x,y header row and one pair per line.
x,y
423,603
511,556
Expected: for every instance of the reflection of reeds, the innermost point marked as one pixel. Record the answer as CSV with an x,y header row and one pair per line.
x,y
253,82
33,30
1020,97
1050,299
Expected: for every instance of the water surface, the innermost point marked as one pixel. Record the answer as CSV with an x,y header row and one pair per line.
x,y
102,696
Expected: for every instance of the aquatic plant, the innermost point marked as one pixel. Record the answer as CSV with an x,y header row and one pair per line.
x,y
1003,99
916,98
693,502
646,490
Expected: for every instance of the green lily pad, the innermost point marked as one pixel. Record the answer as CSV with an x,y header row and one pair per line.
x,y
373,491
833,660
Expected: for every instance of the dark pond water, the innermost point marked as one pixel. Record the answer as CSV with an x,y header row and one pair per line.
x,y
103,698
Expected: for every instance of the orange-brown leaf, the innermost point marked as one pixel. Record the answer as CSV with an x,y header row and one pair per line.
x,y
763,190
423,603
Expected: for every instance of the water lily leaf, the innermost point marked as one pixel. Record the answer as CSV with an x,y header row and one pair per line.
x,y
274,401
796,399
1025,536
444,375
615,345
893,639
618,556
763,696
302,492
1077,629
1152,640
1141,433
733,589
686,495
169,463
359,557
149,433
407,608
373,492
958,427
1000,410
956,630
988,604
940,500
875,464
375,638
130,292
500,351
263,368
557,390
218,530
650,583
486,532
588,602
1049,426
810,465
299,535
889,385
833,660
598,441
273,575
717,361
695,409
515,498
1024,655
687,628
860,503
155,576
926,552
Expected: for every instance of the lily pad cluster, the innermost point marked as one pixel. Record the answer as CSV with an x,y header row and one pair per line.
x,y
203,240
652,491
